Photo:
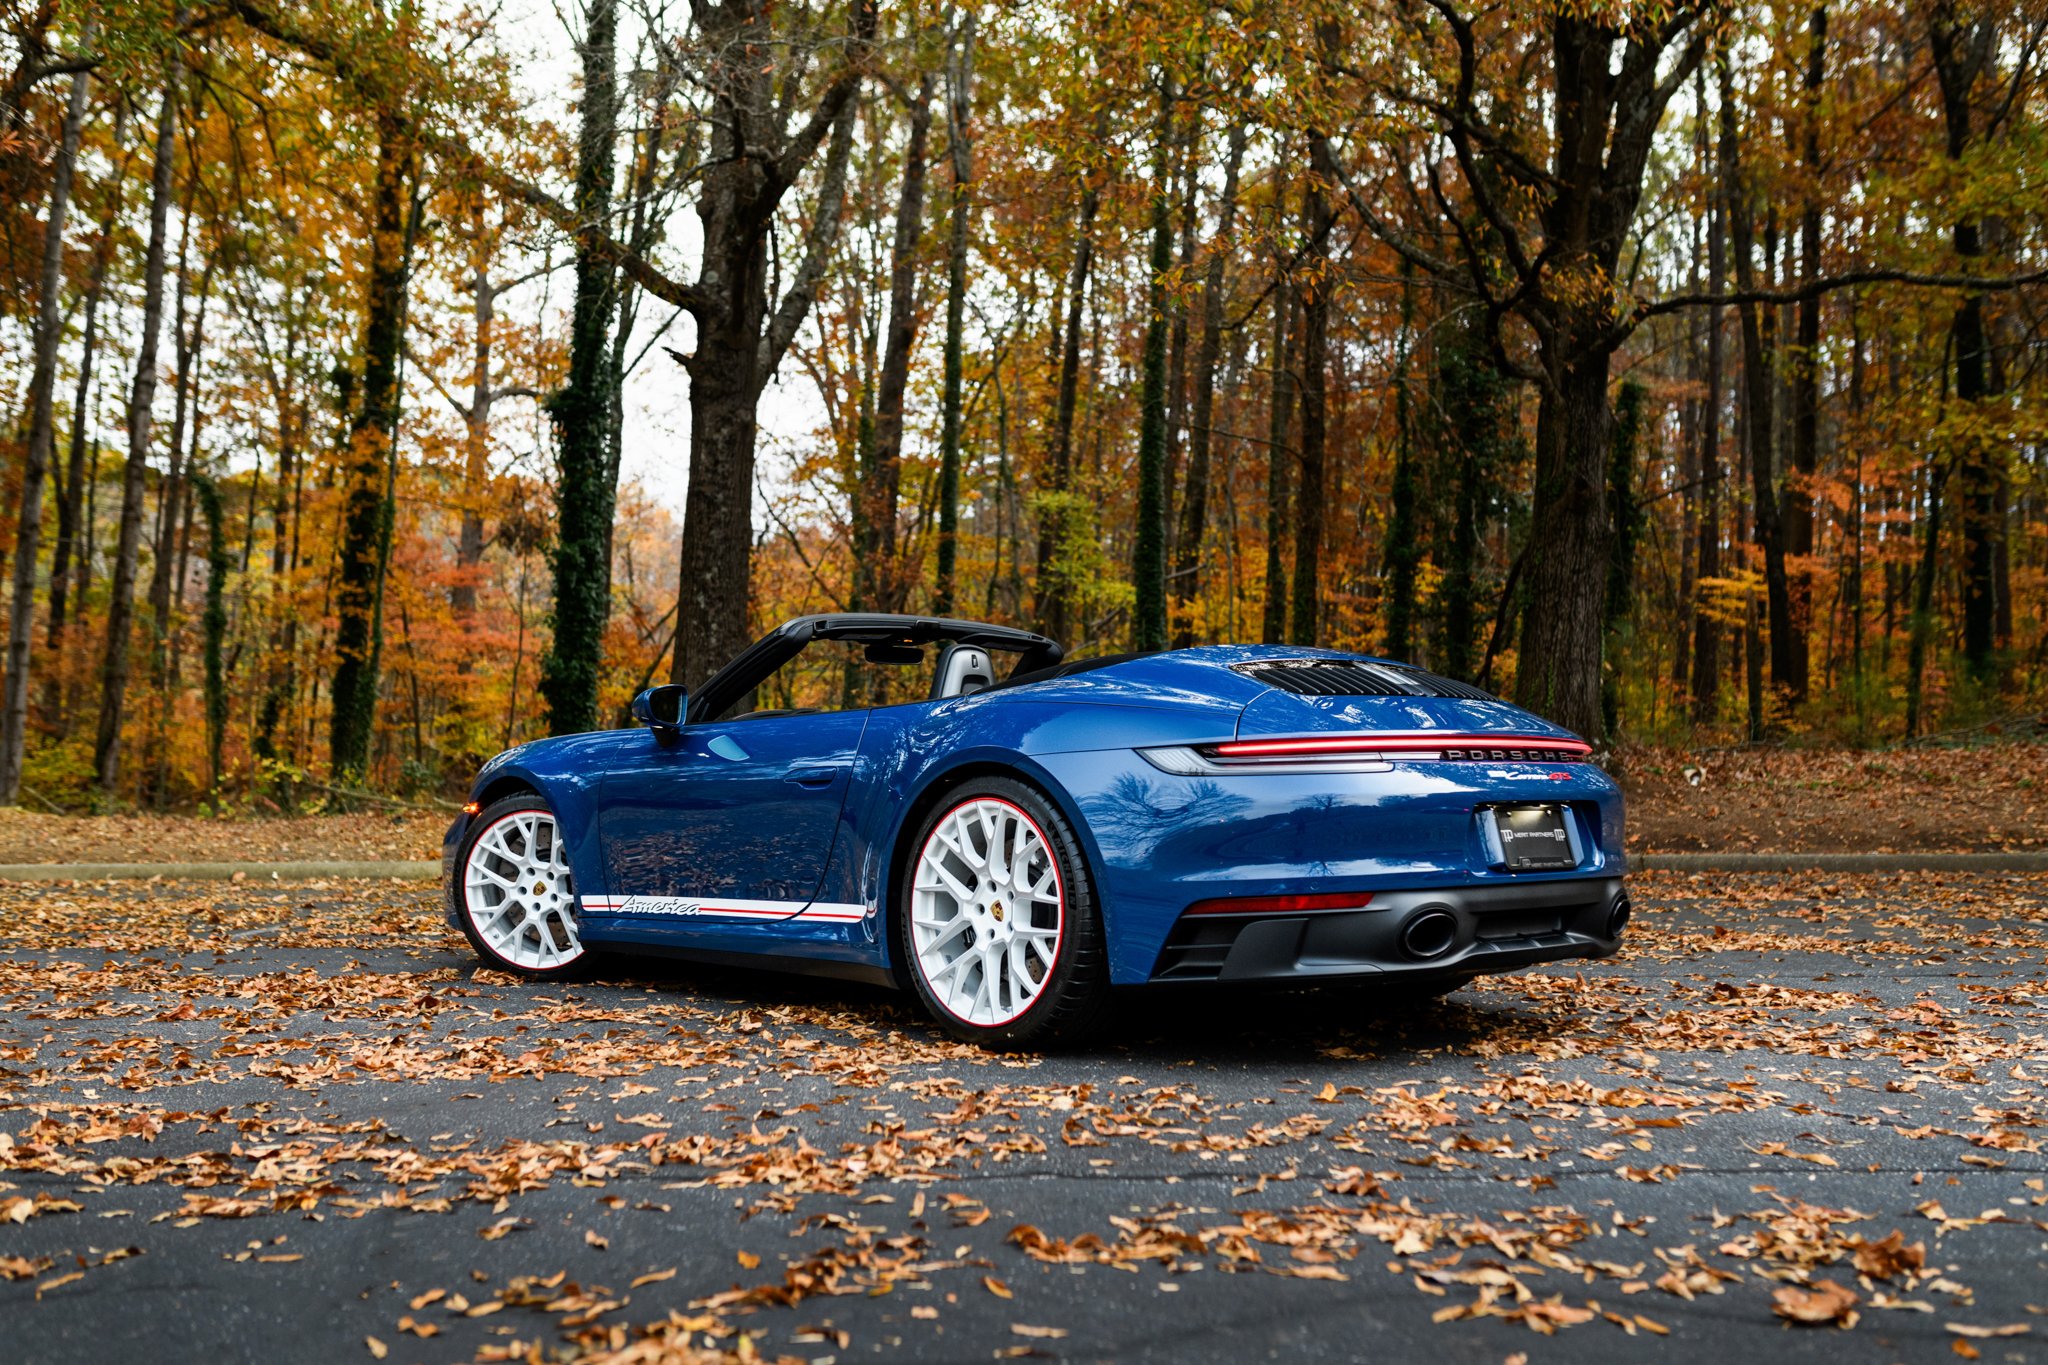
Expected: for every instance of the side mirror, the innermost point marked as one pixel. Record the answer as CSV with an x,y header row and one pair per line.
x,y
660,709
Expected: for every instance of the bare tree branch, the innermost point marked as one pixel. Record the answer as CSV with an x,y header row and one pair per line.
x,y
824,235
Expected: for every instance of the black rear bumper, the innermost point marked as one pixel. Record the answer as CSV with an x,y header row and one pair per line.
x,y
1442,934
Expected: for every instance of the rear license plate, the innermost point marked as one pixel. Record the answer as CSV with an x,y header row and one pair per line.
x,y
1534,838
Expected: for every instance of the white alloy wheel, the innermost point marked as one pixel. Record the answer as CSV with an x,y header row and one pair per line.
x,y
518,893
986,912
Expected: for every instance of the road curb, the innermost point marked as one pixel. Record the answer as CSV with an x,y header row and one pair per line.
x,y
426,870
1838,862
255,872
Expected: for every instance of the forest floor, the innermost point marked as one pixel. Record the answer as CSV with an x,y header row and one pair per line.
x,y
28,836
1987,798
1980,799
1795,1119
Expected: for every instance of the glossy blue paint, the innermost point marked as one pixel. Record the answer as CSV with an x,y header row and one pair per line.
x,y
737,808
814,808
1164,842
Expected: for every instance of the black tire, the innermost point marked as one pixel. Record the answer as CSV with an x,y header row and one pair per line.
x,y
1075,995
466,914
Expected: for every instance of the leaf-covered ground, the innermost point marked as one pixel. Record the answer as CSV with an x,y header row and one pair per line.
x,y
28,836
1796,1118
1992,797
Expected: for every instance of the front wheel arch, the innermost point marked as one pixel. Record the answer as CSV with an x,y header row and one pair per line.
x,y
510,784
556,885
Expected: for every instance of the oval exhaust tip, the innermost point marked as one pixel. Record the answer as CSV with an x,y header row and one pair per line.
x,y
1429,934
1617,918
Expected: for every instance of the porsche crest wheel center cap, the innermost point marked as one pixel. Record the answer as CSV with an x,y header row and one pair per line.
x,y
996,909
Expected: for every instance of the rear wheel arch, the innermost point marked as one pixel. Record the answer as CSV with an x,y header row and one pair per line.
x,y
1077,984
933,795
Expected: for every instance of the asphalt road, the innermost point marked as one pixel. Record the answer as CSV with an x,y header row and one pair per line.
x,y
253,1124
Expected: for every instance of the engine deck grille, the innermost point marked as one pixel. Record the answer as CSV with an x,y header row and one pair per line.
x,y
1355,678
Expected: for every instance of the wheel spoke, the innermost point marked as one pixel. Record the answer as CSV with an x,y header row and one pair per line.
x,y
1021,849
952,964
962,847
1020,979
961,893
947,932
495,875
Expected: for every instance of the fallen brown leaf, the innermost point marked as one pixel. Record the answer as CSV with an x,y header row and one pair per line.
x,y
1825,1302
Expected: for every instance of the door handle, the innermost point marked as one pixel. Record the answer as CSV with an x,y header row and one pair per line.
x,y
816,777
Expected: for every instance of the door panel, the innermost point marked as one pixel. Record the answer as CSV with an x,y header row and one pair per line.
x,y
731,821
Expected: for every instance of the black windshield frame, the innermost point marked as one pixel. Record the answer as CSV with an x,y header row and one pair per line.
x,y
760,659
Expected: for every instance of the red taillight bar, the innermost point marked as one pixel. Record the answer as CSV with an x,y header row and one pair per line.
x,y
1281,905
1405,744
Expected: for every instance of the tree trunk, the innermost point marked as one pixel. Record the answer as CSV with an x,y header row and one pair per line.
x,y
587,490
1279,465
1805,377
1685,601
1558,675
476,440
141,398
1315,358
1963,47
28,531
1148,554
214,625
1053,597
1626,520
174,533
715,564
1186,154
1706,637
71,531
1480,424
284,622
1194,512
886,586
170,500
367,471
959,110
1852,586
1920,626
1753,670
1403,554
1759,378
751,167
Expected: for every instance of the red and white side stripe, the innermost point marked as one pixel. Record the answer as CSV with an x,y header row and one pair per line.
x,y
725,907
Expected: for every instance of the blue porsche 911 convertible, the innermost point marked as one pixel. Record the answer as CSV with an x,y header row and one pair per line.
x,y
1020,836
